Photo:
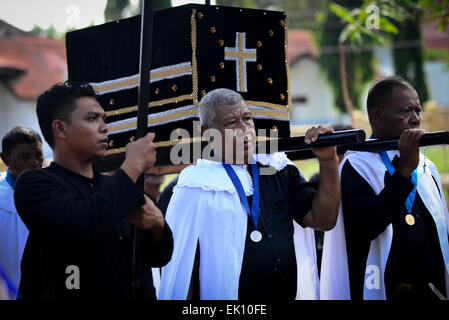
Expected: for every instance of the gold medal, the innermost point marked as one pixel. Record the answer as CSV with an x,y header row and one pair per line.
x,y
410,220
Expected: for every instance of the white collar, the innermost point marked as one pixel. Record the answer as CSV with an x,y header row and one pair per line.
x,y
210,175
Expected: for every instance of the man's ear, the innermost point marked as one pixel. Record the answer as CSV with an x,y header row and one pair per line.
x,y
203,129
377,115
5,158
59,128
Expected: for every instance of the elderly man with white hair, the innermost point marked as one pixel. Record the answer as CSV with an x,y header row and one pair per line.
x,y
235,229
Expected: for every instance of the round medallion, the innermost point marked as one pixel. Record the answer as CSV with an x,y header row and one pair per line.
x,y
203,93
222,65
259,44
174,87
270,81
282,96
255,236
200,15
213,30
270,33
212,78
259,67
221,42
410,219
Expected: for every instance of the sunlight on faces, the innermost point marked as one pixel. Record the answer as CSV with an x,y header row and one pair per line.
x,y
403,111
231,137
235,146
238,134
87,132
239,145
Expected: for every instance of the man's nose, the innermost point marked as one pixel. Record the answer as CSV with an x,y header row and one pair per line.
x,y
103,127
243,126
415,119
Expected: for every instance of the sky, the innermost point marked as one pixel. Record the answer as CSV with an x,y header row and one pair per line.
x,y
63,14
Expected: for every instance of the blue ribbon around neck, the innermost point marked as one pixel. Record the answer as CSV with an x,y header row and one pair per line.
x,y
254,211
13,291
11,181
413,179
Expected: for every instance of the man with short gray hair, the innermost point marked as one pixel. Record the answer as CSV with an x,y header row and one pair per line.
x,y
239,233
215,98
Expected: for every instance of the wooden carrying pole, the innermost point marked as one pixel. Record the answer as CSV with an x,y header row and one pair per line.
x,y
146,45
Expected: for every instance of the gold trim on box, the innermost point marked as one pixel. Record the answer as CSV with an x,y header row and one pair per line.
x,y
190,96
168,143
267,105
133,81
287,66
270,113
156,103
165,117
158,144
194,62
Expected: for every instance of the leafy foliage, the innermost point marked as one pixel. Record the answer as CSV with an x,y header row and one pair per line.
x,y
408,52
436,10
119,9
360,64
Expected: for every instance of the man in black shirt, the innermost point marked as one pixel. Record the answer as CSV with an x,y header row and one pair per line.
x,y
393,210
239,254
80,222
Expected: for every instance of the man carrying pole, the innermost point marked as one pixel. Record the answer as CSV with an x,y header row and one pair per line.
x,y
238,219
391,237
80,221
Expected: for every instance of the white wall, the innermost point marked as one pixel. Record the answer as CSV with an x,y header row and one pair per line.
x,y
306,79
437,76
14,111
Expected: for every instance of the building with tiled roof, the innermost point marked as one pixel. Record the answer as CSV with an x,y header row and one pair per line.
x,y
312,96
28,66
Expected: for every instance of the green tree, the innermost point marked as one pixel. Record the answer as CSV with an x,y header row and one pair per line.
x,y
119,9
359,64
362,25
408,52
251,4
50,32
114,9
436,10
300,13
405,16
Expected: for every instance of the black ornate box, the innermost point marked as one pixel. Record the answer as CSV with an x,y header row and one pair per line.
x,y
196,48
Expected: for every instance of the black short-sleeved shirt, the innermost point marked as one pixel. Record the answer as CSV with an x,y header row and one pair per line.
x,y
415,257
269,267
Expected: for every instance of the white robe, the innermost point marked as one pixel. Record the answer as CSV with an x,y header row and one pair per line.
x,y
13,234
334,266
205,206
